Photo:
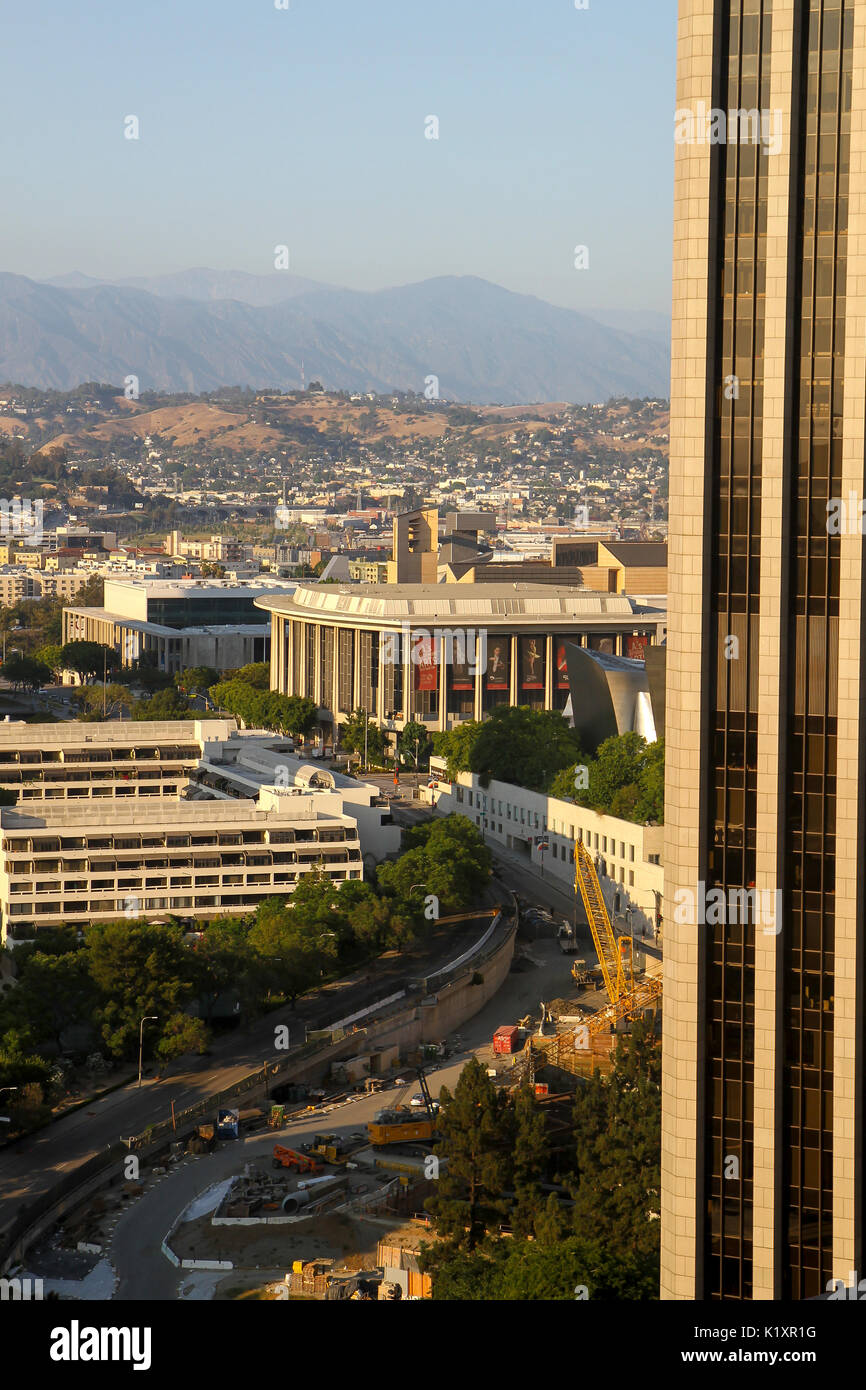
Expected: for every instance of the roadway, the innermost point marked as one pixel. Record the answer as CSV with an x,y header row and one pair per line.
x,y
32,1165
144,1272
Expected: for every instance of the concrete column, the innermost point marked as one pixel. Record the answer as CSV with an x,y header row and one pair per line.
x,y
548,671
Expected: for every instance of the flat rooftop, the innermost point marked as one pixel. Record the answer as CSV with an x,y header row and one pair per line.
x,y
71,734
490,604
204,588
147,815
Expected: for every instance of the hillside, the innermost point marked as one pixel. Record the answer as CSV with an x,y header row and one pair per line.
x,y
483,343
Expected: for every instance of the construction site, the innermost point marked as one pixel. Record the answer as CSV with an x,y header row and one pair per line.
x,y
323,1192
577,1032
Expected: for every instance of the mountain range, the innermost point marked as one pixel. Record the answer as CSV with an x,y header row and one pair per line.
x,y
198,330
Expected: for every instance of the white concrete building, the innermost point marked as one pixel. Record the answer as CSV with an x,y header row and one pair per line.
x,y
628,857
190,759
64,864
245,763
179,623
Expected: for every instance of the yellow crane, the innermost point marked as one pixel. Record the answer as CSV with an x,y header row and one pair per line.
x,y
626,997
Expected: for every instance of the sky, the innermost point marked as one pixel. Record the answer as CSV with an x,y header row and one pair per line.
x,y
305,127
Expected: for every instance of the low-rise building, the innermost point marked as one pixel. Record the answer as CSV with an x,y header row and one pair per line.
x,y
543,830
65,864
111,760
197,760
179,623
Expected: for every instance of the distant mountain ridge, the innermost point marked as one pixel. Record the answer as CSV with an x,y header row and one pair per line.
x,y
199,330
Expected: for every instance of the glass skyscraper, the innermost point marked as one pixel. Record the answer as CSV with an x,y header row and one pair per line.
x,y
763,1118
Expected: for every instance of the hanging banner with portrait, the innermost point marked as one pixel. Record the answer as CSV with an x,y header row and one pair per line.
x,y
499,663
532,663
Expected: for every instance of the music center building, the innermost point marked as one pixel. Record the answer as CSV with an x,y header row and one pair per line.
x,y
443,653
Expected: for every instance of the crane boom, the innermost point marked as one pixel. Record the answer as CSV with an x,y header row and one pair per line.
x,y
604,940
626,997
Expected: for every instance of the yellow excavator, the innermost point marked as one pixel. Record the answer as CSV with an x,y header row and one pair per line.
x,y
627,997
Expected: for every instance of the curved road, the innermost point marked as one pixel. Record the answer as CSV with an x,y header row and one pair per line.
x,y
32,1166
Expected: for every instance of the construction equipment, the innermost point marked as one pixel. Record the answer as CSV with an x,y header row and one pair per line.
x,y
580,974
331,1148
401,1125
627,998
290,1158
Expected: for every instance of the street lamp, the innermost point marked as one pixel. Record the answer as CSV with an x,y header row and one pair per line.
x,y
148,1018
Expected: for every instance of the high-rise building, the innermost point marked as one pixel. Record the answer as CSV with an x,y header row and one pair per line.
x,y
764,1049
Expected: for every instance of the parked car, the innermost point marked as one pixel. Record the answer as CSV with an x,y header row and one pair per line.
x,y
417,1102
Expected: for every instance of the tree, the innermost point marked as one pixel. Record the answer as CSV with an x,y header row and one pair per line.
x,y
88,658
196,679
352,736
18,1065
626,779
26,673
530,1156
51,656
455,745
53,992
139,968
181,1034
98,701
521,1271
293,958
448,858
415,743
516,744
222,962
165,704
256,674
618,1149
475,1142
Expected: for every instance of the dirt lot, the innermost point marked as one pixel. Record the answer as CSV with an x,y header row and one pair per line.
x,y
349,1240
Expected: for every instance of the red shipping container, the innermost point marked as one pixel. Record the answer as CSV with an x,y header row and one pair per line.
x,y
505,1039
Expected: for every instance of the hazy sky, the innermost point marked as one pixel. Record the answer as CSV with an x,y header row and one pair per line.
x,y
306,127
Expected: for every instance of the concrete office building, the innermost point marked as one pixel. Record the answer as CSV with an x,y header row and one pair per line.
x,y
62,864
179,623
244,764
113,759
376,648
763,1160
207,759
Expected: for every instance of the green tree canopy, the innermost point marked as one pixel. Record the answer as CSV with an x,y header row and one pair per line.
x,y
88,658
516,744
626,778
469,1194
352,736
196,679
26,672
139,968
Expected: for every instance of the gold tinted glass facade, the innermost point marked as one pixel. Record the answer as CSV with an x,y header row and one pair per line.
x,y
734,604
826,52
